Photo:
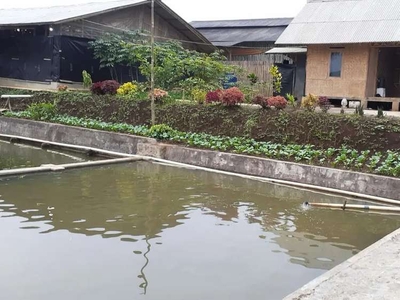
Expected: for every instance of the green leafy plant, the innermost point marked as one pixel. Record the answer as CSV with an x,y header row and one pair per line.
x,y
291,100
161,132
359,110
253,78
387,164
199,95
87,79
42,111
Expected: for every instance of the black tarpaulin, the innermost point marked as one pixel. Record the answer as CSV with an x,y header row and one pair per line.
x,y
27,58
287,72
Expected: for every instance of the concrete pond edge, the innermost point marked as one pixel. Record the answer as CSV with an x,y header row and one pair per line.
x,y
353,183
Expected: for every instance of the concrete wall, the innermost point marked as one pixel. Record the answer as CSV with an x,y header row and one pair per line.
x,y
332,178
353,80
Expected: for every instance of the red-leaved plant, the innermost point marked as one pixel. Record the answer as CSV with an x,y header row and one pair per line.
x,y
214,96
278,102
96,88
110,87
324,103
107,87
232,96
261,100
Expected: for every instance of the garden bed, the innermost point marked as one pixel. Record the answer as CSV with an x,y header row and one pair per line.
x,y
284,127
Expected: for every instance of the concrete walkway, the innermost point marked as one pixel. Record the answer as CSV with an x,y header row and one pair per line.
x,y
367,112
372,274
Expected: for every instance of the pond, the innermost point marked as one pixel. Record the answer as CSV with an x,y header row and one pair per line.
x,y
150,231
14,156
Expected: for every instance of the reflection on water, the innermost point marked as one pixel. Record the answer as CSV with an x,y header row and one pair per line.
x,y
14,156
156,232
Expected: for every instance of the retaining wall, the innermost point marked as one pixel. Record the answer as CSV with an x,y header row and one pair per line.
x,y
331,178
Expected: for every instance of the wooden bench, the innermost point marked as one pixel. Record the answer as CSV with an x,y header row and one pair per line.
x,y
9,97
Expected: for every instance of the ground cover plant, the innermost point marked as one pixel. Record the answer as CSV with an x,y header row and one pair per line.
x,y
383,163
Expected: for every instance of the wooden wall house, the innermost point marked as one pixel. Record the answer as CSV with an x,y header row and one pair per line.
x,y
353,50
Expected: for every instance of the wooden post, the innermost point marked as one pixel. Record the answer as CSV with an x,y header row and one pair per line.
x,y
153,109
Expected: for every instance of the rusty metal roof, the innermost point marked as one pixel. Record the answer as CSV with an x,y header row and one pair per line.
x,y
344,22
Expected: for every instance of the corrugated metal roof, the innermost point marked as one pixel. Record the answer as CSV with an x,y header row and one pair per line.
x,y
286,50
273,22
344,22
234,36
56,14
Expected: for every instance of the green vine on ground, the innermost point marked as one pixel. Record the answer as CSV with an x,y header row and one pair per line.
x,y
347,158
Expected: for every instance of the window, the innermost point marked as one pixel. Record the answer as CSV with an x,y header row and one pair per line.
x,y
336,64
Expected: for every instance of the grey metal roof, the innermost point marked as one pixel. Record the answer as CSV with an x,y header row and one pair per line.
x,y
57,14
61,14
234,36
233,32
243,23
344,22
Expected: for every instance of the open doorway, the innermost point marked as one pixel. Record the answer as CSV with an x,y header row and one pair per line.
x,y
383,87
388,75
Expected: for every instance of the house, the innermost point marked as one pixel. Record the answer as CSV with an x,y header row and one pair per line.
x,y
243,40
50,45
353,49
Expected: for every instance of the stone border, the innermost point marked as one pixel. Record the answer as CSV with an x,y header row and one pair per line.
x,y
371,274
348,181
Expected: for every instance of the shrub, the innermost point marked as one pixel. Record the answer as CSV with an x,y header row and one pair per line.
x,y
110,87
107,87
86,79
96,88
41,111
359,110
232,96
161,132
62,88
214,96
199,95
260,100
128,88
324,103
291,99
253,78
159,94
309,102
278,102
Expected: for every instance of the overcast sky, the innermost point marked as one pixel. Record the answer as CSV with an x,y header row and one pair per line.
x,y
192,10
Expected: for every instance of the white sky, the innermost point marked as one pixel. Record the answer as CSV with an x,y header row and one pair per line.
x,y
192,10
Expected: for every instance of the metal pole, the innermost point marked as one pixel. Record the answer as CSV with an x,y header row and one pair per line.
x,y
153,110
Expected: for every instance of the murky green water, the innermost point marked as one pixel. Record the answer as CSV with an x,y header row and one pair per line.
x,y
144,231
13,156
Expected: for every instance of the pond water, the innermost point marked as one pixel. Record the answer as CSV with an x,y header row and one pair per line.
x,y
13,156
148,231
